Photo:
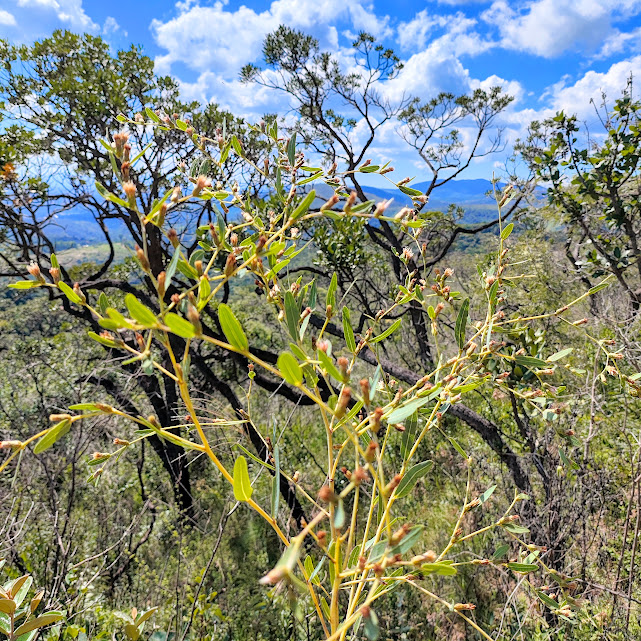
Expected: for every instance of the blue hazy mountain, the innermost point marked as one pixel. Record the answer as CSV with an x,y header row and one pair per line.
x,y
77,225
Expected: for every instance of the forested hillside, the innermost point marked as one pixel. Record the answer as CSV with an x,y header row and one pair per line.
x,y
258,385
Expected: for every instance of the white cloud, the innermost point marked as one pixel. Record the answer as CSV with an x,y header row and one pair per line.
x,y
7,18
619,42
549,27
110,26
67,11
438,67
576,98
413,34
216,37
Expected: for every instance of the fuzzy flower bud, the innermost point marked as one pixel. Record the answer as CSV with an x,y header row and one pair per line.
x,y
142,259
230,265
162,281
370,452
194,318
375,420
343,402
172,235
130,191
365,390
55,274
34,270
78,292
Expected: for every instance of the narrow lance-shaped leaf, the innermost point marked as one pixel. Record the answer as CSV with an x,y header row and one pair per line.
x,y
139,312
291,150
290,369
330,300
304,205
55,433
232,328
348,331
411,478
292,314
388,332
242,485
461,323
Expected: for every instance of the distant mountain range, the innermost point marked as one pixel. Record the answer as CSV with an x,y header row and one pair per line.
x,y
77,226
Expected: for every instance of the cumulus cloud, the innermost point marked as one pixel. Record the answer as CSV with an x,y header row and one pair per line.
x,y
547,28
215,38
110,26
575,98
7,19
70,12
438,67
620,41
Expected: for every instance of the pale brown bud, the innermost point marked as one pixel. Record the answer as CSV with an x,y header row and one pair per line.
x,y
342,364
393,484
55,274
327,495
343,402
161,284
230,265
365,390
172,235
34,270
10,445
130,191
360,475
370,452
142,259
330,203
78,292
375,420
194,318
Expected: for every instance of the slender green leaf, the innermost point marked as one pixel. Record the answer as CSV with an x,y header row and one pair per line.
x,y
461,323
179,325
559,355
69,293
232,328
442,568
411,478
242,485
530,361
486,495
388,332
328,365
54,433
139,312
507,231
290,369
292,314
291,150
304,205
523,568
331,292
348,331
401,413
598,288
408,541
25,284
152,115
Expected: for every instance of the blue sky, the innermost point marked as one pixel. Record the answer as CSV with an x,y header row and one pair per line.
x,y
550,54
